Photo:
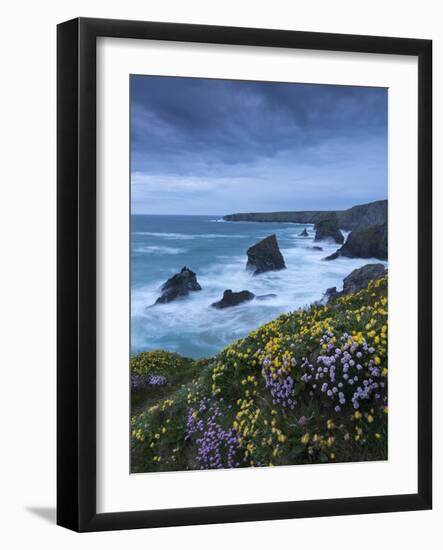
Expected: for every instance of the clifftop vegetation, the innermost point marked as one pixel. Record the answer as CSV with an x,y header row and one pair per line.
x,y
309,387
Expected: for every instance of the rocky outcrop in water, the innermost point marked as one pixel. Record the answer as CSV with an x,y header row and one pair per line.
x,y
304,233
178,286
355,281
362,215
265,256
327,228
231,299
366,242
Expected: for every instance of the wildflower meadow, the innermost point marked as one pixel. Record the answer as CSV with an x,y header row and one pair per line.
x,y
309,387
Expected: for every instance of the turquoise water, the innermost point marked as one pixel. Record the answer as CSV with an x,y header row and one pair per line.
x,y
216,251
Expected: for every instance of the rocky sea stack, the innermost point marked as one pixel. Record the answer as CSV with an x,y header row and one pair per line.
x,y
304,233
326,228
231,299
365,242
178,286
265,256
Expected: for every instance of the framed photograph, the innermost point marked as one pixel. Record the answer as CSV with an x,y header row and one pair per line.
x,y
244,245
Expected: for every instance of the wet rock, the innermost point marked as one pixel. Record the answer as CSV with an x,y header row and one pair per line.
x,y
231,299
327,228
332,256
316,248
178,286
331,293
365,242
304,233
265,256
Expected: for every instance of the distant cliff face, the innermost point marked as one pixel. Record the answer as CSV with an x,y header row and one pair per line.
x,y
363,215
294,217
373,213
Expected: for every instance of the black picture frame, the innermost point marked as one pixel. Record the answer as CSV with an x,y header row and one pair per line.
x,y
76,265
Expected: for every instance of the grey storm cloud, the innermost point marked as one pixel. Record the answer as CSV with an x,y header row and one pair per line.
x,y
215,146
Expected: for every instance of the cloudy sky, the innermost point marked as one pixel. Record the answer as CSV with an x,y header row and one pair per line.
x,y
218,146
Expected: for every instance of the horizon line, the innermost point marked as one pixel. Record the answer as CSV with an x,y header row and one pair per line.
x,y
262,211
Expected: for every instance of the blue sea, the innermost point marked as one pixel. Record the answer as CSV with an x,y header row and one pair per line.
x,y
216,251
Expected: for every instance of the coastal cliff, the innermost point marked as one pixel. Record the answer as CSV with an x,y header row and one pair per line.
x,y
362,215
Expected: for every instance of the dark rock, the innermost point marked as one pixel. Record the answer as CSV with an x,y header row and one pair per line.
x,y
266,297
316,248
304,233
327,228
364,215
265,256
331,291
231,299
366,242
332,256
357,280
178,286
329,295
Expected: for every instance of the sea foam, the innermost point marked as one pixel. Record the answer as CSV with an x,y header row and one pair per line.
x,y
193,328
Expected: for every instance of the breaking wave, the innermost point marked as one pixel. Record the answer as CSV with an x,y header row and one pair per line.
x,y
193,328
